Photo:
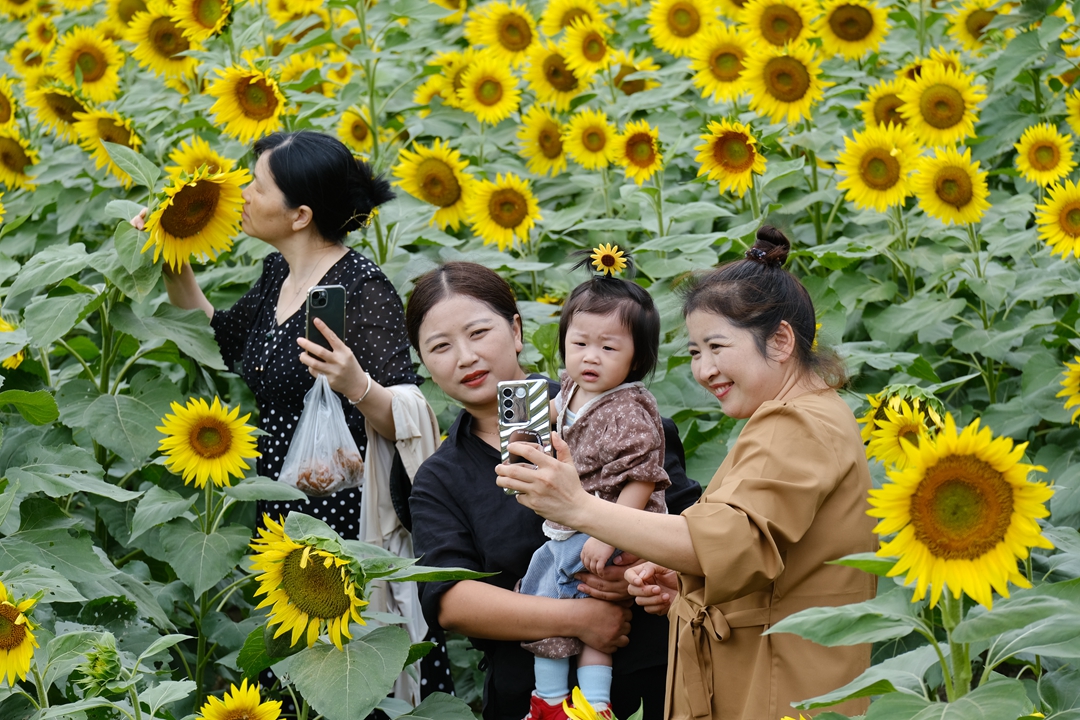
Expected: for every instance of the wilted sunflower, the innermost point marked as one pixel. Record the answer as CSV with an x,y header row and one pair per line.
x,y
98,62
586,47
637,150
939,106
778,22
730,156
541,142
1071,386
968,24
354,130
1044,155
41,33
207,442
963,512
608,259
195,154
201,19
198,216
489,89
16,157
160,42
550,77
676,25
589,139
626,65
882,104
717,60
240,702
24,57
437,176
559,14
908,424
55,108
7,101
98,126
118,13
1059,219
876,166
307,590
851,28
784,82
17,9
13,361
508,29
951,187
17,641
502,210
249,102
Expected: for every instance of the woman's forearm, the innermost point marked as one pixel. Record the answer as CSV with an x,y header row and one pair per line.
x,y
377,407
184,292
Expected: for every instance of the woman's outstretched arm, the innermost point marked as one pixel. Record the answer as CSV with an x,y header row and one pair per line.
x,y
184,292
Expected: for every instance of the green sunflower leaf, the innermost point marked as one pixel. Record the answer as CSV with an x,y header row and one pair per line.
x,y
886,617
440,706
37,408
189,329
141,170
202,560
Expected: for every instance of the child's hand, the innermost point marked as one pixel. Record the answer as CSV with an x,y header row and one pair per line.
x,y
595,555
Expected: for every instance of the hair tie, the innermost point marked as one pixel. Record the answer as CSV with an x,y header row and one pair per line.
x,y
756,254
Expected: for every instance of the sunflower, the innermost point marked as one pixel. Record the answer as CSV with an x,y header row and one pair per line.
x,y
160,42
784,82
851,28
16,156
196,154
25,57
205,441
199,215
84,53
637,150
95,126
240,702
249,102
507,28
457,6
338,69
1072,106
17,9
882,104
1059,219
295,70
550,77
426,92
489,90
730,156
876,165
676,25
501,210
14,361
201,19
17,641
950,187
718,61
306,588
354,130
454,64
7,102
907,424
949,59
628,66
1044,155
581,710
608,259
55,107
541,142
777,22
560,14
437,176
589,139
963,512
895,397
1071,386
118,13
41,33
939,106
586,47
967,25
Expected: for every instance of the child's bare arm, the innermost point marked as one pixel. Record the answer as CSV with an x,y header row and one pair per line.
x,y
636,494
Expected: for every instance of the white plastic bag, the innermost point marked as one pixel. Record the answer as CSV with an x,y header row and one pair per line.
x,y
323,457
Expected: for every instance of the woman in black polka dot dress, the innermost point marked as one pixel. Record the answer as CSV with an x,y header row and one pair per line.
x,y
308,192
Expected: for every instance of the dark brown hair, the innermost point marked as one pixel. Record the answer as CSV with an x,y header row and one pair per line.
x,y
636,310
458,278
757,294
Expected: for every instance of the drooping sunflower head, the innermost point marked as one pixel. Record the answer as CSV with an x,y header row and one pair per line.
x,y
437,176
785,82
83,53
55,107
41,33
1044,155
8,102
963,513
16,159
1070,386
96,127
248,102
502,210
17,641
626,65
560,14
195,154
586,47
637,150
308,590
851,28
895,398
540,135
160,43
550,77
876,165
950,187
354,130
778,22
675,25
207,442
201,20
1058,219
939,106
240,703
589,138
729,155
608,259
718,61
968,24
489,89
507,28
882,104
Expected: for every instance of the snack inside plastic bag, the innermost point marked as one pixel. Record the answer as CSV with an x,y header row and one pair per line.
x,y
323,457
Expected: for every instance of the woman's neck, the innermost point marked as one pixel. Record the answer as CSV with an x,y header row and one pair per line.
x,y
304,252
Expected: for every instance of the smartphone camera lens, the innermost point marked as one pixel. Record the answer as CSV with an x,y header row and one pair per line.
x,y
508,414
521,392
508,403
507,392
318,298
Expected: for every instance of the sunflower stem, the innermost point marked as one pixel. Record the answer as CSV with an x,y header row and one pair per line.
x,y
200,653
226,593
832,216
71,351
952,612
755,200
921,29
606,179
134,697
42,691
929,635
658,180
814,188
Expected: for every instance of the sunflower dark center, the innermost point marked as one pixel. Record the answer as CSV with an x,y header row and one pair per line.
x,y
11,635
780,24
110,131
256,98
851,22
1044,156
91,63
314,589
879,169
594,139
558,75
208,12
573,14
359,130
127,9
953,186
5,108
489,91
733,152
629,87
507,207
514,33
942,106
437,182
549,141
887,110
640,150
977,21
31,57
191,211
167,38
786,79
909,433
962,508
64,106
725,63
1068,219
45,34
594,48
683,19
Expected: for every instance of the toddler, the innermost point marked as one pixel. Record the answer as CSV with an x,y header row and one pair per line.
x,y
609,337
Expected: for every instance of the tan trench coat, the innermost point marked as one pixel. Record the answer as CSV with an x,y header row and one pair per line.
x,y
790,495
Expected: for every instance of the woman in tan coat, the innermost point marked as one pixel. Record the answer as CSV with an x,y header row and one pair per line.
x,y
790,496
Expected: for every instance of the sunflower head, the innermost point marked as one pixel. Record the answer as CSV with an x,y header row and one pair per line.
x,y
882,104
851,28
625,65
16,159
898,433
784,82
503,210
202,19
1070,386
248,101
506,28
939,106
437,176
1058,219
489,90
895,397
589,139
778,22
13,361
194,155
1044,155
207,442
951,187
82,54
608,259
17,641
160,42
242,702
560,14
541,141
730,155
586,47
718,60
550,77
675,25
100,666
637,150
876,165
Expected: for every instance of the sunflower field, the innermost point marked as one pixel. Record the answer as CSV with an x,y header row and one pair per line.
x,y
920,155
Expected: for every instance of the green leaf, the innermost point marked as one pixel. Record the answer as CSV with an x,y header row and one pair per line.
x,y
348,685
1060,689
72,399
189,329
903,673
136,284
166,692
123,209
37,408
125,425
867,562
263,488
202,560
64,471
440,706
141,170
27,579
1001,699
11,342
161,644
886,617
912,316
1020,611
51,318
65,652
9,490
923,370
418,651
129,244
253,658
423,573
49,266
897,706
158,506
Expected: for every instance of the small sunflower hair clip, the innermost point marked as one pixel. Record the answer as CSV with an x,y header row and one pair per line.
x,y
606,259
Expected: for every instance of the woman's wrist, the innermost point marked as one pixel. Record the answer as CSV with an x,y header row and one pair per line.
x,y
362,395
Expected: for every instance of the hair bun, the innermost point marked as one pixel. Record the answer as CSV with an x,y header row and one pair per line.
x,y
366,191
771,248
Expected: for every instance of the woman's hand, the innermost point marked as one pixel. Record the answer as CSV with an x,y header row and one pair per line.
x,y
139,221
552,488
338,364
653,587
605,626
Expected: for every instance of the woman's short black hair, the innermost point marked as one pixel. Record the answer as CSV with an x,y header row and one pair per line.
x,y
638,313
319,171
